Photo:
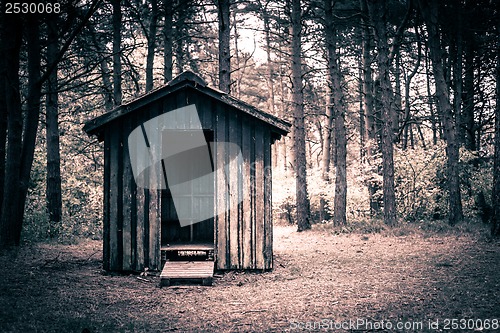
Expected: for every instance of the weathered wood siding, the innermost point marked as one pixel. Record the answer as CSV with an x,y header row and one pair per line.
x,y
244,232
132,216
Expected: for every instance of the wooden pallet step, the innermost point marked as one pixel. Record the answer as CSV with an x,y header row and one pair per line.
x,y
187,270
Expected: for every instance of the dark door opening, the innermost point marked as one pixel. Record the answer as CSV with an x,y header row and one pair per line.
x,y
193,199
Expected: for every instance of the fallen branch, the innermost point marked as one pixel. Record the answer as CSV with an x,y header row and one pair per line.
x,y
143,279
93,253
250,311
50,261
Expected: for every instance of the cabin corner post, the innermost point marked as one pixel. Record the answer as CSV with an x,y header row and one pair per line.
x,y
268,219
115,200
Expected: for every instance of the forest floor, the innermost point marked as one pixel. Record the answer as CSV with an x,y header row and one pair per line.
x,y
321,282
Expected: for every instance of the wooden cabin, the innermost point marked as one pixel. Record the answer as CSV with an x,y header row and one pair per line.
x,y
140,224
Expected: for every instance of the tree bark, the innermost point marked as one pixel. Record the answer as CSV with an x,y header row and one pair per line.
x,y
495,198
429,10
370,148
224,47
337,96
10,227
53,189
150,57
377,12
167,41
31,120
327,140
468,123
117,62
407,120
270,70
302,199
180,34
435,126
3,106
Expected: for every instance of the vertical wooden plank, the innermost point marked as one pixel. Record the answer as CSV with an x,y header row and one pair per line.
x,y
181,101
133,224
259,197
253,186
268,220
247,195
140,229
127,200
212,111
221,187
154,200
141,211
206,114
115,213
133,202
106,213
234,175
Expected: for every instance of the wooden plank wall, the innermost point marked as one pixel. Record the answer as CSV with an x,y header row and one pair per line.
x,y
131,240
244,232
132,216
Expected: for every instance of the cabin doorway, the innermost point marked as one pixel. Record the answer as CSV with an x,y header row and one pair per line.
x,y
193,201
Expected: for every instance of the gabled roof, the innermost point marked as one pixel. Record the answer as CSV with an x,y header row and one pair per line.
x,y
185,79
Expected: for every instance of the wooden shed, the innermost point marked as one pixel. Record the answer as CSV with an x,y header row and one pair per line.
x,y
140,224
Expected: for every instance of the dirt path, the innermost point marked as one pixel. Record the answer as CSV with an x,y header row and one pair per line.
x,y
344,283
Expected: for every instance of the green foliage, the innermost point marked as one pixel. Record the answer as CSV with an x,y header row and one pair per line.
x,y
476,178
419,182
360,226
81,194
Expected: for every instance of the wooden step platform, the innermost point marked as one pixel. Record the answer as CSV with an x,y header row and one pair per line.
x,y
187,271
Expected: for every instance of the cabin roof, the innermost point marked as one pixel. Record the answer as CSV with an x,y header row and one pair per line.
x,y
186,79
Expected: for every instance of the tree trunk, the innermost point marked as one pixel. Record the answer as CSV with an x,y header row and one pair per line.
x,y
337,96
468,110
377,12
117,62
236,87
224,50
270,71
180,35
150,57
10,226
495,198
407,120
302,199
31,120
458,76
430,98
53,190
370,149
327,139
397,99
3,107
167,41
429,12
